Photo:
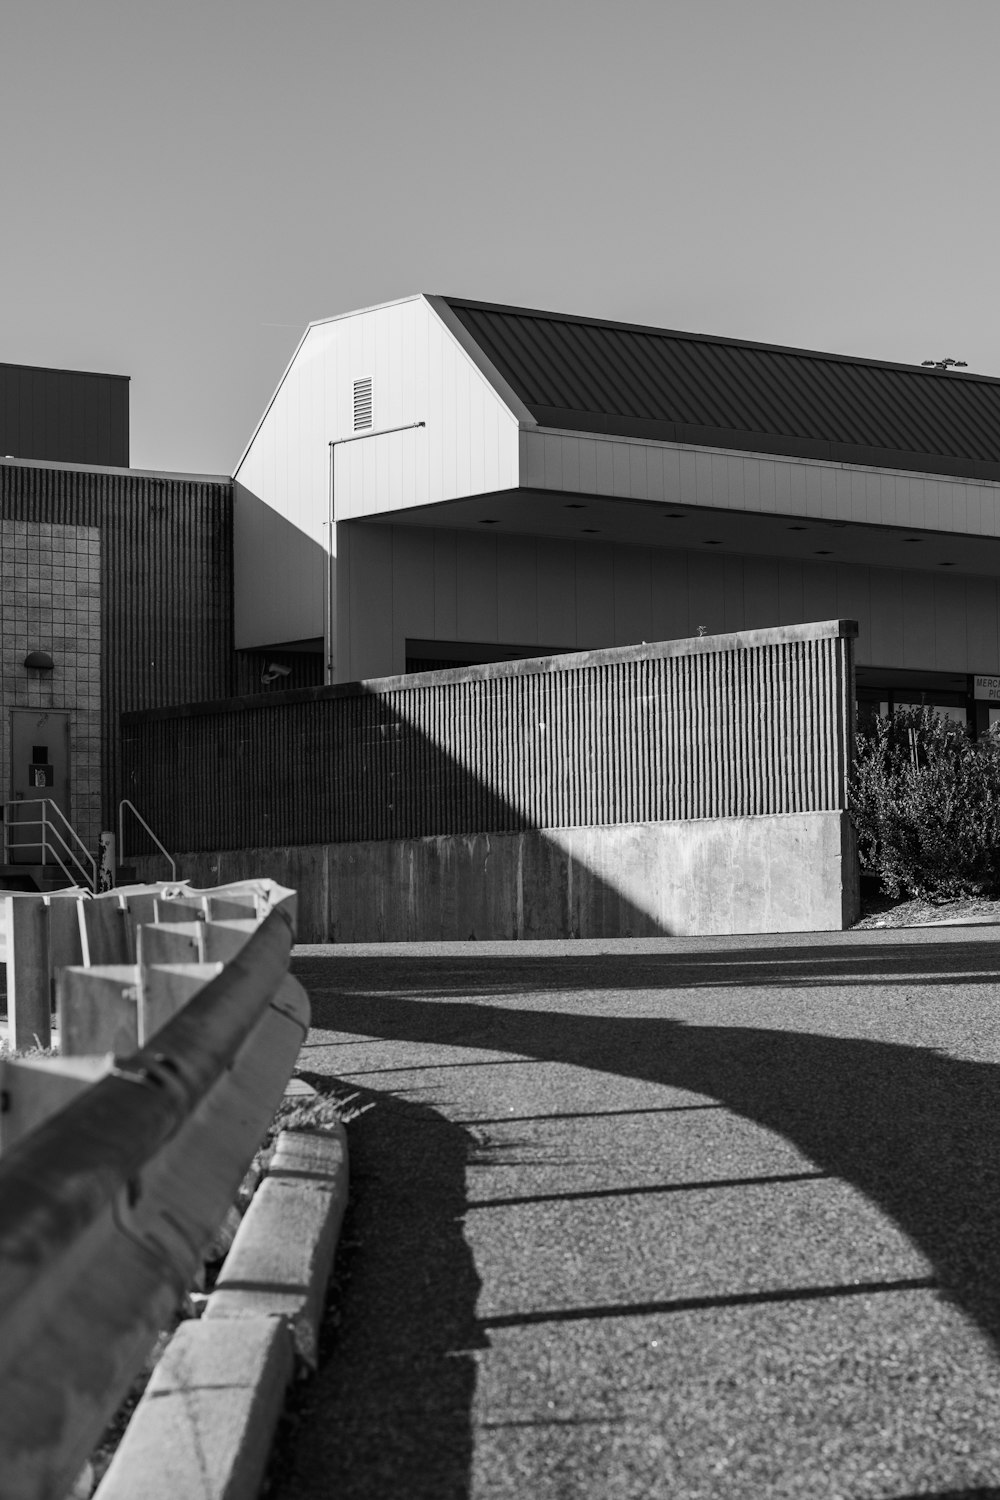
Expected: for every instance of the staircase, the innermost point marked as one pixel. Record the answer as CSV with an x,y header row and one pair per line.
x,y
56,858
42,878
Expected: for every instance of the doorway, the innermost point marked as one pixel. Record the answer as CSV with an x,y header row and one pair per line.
x,y
39,769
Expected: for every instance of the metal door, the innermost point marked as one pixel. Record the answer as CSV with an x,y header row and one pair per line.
x,y
39,768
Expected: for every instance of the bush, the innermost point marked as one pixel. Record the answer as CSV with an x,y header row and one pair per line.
x,y
926,804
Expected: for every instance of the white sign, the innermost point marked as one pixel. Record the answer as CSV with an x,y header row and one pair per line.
x,y
988,688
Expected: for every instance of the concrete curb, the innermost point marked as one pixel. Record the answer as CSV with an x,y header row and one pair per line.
x,y
205,1425
283,1252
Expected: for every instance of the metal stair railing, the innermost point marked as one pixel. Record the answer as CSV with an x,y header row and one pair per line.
x,y
125,803
51,832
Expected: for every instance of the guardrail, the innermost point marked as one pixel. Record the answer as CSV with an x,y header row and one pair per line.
x,y
116,1172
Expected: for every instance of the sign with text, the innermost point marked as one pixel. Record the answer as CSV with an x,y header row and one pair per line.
x,y
988,689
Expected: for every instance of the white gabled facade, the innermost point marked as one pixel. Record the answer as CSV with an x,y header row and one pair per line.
x,y
420,371
485,532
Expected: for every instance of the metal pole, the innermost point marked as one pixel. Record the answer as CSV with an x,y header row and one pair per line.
x,y
331,558
330,565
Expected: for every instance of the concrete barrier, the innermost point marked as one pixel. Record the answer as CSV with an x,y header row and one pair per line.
x,y
115,1187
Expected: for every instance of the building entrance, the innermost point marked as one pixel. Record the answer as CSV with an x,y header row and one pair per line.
x,y
39,769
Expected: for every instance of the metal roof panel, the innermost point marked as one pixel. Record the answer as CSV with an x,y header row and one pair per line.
x,y
597,375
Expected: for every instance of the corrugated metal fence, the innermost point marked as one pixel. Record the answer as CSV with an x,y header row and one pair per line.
x,y
724,726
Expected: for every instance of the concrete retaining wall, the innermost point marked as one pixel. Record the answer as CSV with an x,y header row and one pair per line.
x,y
793,872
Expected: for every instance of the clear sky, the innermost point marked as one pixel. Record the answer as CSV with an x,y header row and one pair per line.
x,y
185,184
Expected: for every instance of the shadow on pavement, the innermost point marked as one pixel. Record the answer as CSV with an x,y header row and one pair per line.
x,y
916,1131
389,1415
913,1129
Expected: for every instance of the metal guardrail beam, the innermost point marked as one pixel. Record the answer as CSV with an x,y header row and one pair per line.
x,y
106,1208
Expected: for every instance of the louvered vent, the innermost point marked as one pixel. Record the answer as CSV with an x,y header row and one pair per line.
x,y
362,404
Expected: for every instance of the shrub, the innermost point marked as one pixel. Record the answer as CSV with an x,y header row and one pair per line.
x,y
926,804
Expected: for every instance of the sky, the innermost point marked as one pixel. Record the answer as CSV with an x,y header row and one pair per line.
x,y
186,184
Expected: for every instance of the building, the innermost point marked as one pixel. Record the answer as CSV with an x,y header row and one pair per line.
x,y
579,484
439,483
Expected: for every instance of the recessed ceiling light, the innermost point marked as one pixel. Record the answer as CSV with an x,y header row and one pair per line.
x,y
715,543
489,523
673,515
946,565
914,538
591,530
823,552
796,528
574,505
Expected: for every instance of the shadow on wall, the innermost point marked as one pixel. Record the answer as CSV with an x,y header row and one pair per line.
x,y
251,789
917,1132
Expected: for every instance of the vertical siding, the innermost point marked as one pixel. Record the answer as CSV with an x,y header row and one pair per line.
x,y
469,445
732,727
63,416
166,598
588,463
553,592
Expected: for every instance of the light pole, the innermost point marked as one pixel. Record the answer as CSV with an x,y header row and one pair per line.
x,y
331,559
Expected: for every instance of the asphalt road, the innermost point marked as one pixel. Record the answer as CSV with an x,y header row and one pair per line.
x,y
685,1218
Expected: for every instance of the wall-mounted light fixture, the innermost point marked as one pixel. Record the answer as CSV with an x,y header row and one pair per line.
x,y
39,661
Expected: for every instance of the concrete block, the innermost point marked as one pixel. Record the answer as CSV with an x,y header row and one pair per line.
x,y
140,906
178,909
164,989
223,940
29,991
203,1429
282,1255
98,1010
231,907
65,946
35,1088
171,943
103,932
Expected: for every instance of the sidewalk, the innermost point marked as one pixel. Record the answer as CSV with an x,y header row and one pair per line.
x,y
678,1218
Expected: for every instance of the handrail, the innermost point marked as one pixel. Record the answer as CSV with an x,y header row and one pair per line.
x,y
121,835
43,844
119,1192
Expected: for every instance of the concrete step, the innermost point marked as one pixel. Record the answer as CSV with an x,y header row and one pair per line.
x,y
17,877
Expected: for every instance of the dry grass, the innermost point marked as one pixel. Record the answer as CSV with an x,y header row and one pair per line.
x,y
883,912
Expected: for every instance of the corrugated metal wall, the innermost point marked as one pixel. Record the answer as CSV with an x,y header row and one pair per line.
x,y
722,727
166,597
63,416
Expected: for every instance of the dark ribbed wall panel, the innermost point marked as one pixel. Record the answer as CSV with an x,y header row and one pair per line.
x,y
63,416
736,726
166,598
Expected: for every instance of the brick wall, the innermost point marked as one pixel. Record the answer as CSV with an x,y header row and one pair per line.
x,y
50,600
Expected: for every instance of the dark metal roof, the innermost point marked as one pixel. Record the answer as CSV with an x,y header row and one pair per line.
x,y
589,375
